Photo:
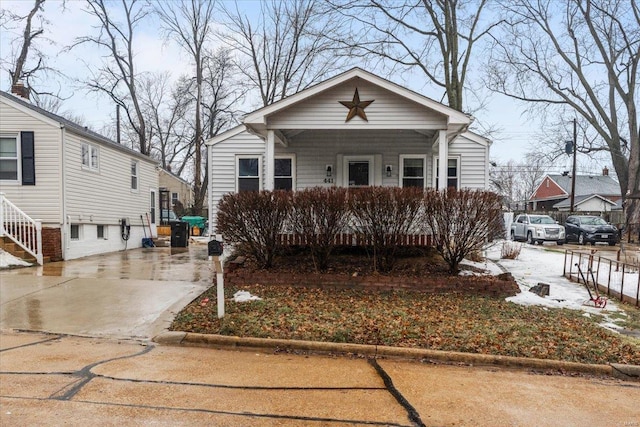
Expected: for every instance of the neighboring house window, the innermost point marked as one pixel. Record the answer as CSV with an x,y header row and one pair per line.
x,y
134,175
248,169
9,158
75,232
283,176
412,171
89,156
101,232
174,198
452,172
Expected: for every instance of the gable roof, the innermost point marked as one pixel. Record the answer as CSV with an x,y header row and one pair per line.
x,y
68,124
578,200
585,185
258,118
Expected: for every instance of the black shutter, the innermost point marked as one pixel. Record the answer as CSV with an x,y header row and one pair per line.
x,y
28,158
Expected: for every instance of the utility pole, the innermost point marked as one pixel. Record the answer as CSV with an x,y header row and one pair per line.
x,y
573,174
118,123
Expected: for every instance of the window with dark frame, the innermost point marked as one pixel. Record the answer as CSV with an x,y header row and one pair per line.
x,y
248,174
74,233
283,176
100,232
358,173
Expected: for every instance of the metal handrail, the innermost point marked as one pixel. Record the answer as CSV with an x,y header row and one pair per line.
x,y
21,228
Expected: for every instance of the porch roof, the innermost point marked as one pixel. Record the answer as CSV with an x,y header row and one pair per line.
x,y
455,121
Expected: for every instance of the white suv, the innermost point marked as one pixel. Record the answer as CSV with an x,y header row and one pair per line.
x,y
537,229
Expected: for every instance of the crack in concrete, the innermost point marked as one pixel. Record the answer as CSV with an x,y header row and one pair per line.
x,y
412,413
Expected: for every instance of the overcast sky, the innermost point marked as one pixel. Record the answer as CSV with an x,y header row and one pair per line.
x,y
153,53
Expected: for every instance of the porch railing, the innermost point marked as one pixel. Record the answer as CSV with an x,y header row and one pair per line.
x,y
21,228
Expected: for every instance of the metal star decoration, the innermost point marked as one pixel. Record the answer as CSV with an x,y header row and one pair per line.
x,y
356,107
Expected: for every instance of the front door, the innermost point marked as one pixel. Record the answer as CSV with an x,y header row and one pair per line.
x,y
358,171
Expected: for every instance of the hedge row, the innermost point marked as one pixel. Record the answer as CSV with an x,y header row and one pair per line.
x,y
460,221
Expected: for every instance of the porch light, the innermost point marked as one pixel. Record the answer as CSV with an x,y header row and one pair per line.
x,y
329,169
388,168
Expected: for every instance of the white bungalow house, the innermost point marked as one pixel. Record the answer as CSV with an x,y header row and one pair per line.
x,y
355,129
88,194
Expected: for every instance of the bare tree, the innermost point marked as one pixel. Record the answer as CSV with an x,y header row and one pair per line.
x,y
437,37
288,49
117,76
164,109
190,23
580,56
516,181
24,60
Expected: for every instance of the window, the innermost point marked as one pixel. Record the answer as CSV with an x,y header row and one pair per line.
x,y
452,172
9,158
101,232
248,169
283,176
152,206
75,232
89,156
412,172
134,175
174,198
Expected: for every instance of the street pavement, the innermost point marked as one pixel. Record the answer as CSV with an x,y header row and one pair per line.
x,y
87,359
48,380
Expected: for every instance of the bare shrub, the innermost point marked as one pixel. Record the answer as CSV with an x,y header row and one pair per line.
x,y
318,214
462,221
510,250
253,221
385,215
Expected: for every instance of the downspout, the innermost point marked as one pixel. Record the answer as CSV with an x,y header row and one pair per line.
x,y
210,192
63,231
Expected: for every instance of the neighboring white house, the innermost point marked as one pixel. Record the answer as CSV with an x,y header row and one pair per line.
x,y
82,186
355,129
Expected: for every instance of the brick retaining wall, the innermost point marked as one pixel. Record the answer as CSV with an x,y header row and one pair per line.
x,y
237,276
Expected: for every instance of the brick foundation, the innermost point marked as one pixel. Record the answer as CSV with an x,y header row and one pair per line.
x,y
52,243
237,276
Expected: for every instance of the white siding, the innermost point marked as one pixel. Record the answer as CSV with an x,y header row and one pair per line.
x,y
316,149
43,200
388,111
223,165
105,196
473,162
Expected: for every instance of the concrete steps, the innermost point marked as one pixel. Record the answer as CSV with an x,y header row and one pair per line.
x,y
14,249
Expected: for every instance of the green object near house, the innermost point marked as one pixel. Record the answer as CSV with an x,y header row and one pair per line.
x,y
195,221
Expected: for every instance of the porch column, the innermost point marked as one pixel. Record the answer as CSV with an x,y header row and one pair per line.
x,y
443,154
269,172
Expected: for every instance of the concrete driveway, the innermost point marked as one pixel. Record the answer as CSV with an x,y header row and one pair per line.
x,y
127,294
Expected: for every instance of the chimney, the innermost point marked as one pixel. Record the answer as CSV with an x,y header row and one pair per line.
x,y
605,171
20,89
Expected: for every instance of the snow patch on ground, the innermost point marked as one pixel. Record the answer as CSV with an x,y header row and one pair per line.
x,y
8,260
545,264
244,296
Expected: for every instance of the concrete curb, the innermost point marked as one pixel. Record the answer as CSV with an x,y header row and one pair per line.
x,y
626,372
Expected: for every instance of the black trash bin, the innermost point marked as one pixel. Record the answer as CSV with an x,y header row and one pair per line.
x,y
179,234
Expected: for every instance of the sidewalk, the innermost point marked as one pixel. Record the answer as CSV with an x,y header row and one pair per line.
x,y
52,380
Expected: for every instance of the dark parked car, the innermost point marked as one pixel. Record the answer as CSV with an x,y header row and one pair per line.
x,y
590,229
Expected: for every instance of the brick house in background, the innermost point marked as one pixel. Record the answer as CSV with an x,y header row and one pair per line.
x,y
593,193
